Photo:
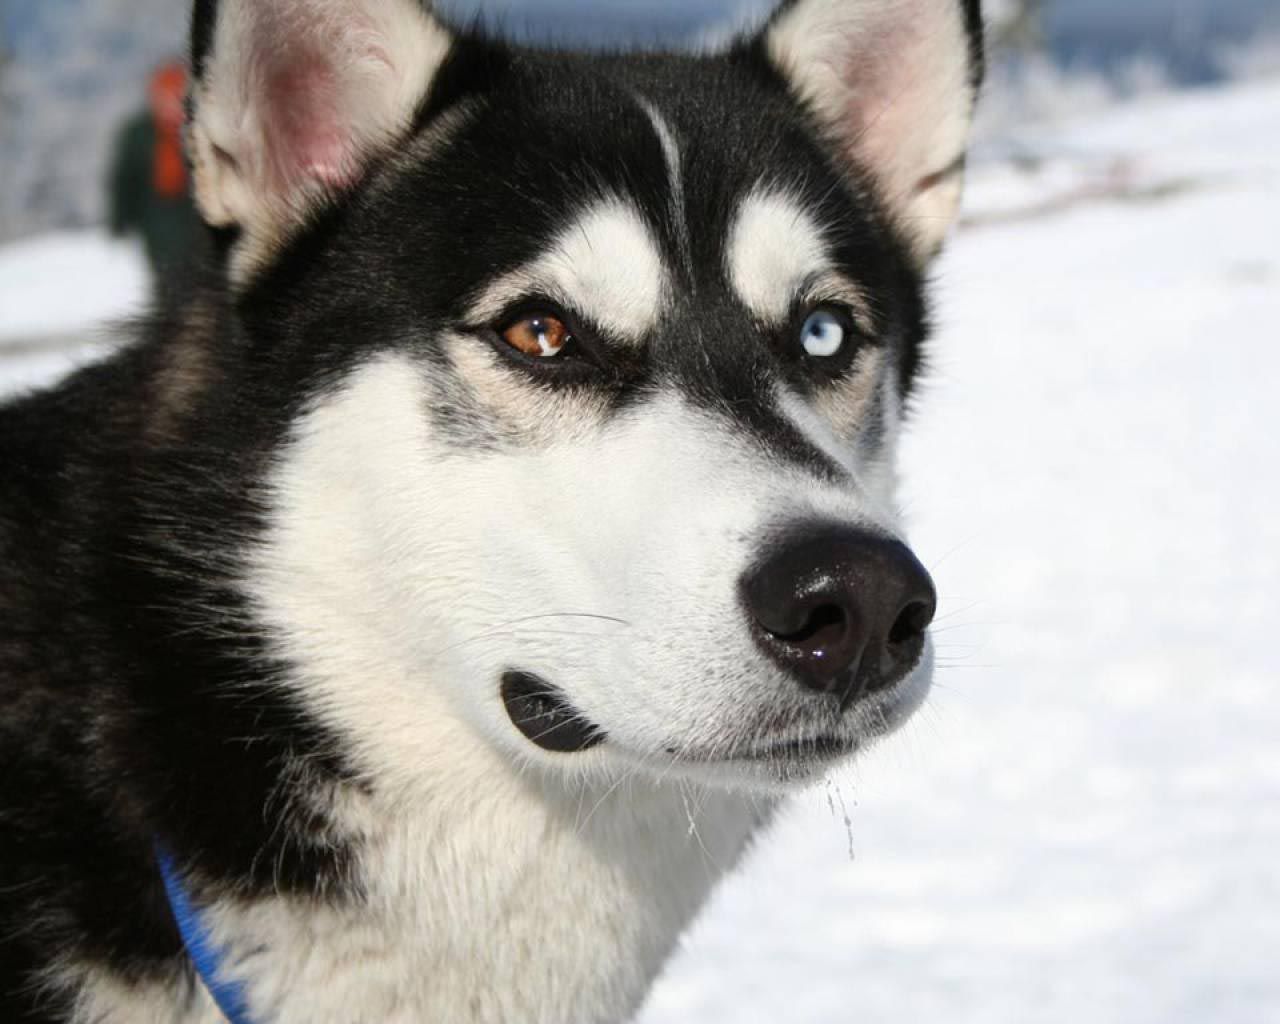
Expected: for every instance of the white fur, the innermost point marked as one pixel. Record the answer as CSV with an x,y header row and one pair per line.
x,y
425,560
262,153
890,80
605,265
400,577
675,175
101,998
495,899
776,256
774,249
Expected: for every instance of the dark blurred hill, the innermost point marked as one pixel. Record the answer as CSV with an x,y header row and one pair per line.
x,y
1187,36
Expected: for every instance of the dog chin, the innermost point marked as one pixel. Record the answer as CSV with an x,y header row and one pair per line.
x,y
784,764
556,735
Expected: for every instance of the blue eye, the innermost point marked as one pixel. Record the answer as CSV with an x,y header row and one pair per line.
x,y
823,334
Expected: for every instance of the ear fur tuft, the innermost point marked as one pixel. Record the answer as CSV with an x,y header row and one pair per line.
x,y
893,84
293,98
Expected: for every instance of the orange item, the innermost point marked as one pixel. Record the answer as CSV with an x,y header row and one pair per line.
x,y
169,169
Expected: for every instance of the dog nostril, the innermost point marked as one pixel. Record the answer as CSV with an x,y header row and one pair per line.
x,y
823,649
911,623
824,627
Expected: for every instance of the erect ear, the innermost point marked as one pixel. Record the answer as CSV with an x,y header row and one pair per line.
x,y
893,84
291,99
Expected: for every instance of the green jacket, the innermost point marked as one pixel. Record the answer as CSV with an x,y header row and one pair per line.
x,y
167,225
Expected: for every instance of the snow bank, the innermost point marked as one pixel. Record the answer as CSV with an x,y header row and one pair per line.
x,y
69,283
1145,150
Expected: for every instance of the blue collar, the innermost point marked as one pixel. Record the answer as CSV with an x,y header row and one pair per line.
x,y
206,956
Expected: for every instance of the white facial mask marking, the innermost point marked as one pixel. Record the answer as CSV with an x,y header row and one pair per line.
x,y
671,154
405,575
774,249
605,265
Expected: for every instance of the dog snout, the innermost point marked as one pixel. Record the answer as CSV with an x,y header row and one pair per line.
x,y
843,611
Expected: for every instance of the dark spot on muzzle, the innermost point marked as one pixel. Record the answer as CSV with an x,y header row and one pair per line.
x,y
543,713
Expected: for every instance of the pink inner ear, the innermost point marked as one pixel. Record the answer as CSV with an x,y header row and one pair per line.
x,y
878,86
903,80
308,134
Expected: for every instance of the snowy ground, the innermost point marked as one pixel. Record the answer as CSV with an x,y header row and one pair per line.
x,y
59,295
1084,823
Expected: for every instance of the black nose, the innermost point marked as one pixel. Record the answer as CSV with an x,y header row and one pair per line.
x,y
843,610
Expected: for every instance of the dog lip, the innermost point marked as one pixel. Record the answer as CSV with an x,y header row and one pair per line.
x,y
811,748
796,750
542,712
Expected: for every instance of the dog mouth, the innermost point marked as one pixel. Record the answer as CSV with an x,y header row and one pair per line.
x,y
809,750
545,716
805,750
542,712
547,719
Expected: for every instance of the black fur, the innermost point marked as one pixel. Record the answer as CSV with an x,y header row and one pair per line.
x,y
137,688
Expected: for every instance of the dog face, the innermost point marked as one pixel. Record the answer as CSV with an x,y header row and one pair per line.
x,y
607,362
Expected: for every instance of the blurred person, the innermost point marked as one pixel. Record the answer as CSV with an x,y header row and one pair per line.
x,y
148,189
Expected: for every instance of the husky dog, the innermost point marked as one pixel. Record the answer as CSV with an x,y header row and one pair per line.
x,y
417,620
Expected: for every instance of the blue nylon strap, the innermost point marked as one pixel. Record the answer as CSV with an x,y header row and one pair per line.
x,y
205,954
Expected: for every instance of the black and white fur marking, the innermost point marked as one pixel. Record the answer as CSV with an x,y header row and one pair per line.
x,y
263,572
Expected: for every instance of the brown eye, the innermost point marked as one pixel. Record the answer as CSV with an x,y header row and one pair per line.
x,y
538,334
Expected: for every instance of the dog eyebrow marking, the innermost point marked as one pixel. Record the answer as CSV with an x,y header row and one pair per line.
x,y
775,249
605,265
671,153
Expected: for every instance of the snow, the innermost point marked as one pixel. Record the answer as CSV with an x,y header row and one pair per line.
x,y
1084,822
66,283
59,296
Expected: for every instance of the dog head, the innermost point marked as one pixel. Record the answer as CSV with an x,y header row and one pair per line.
x,y
604,362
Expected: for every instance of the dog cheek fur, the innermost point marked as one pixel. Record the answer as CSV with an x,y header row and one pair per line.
x,y
425,572
570,884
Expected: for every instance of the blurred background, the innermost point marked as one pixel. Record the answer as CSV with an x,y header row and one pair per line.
x,y
1084,822
72,70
